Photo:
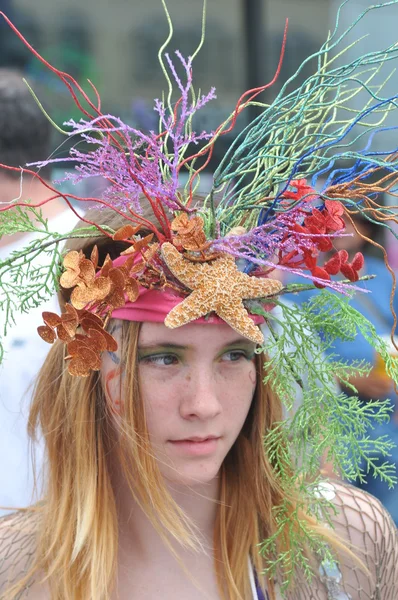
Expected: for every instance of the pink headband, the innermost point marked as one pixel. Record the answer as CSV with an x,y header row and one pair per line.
x,y
154,305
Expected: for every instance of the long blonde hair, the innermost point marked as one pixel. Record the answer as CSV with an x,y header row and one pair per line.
x,y
77,541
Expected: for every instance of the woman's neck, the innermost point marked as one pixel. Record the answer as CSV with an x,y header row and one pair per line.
x,y
137,534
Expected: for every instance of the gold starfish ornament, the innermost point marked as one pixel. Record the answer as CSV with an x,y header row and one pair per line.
x,y
216,286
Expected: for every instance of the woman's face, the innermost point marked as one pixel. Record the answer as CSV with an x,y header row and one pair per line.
x,y
197,384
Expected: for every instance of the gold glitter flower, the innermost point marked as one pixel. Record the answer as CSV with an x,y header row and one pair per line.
x,y
64,326
95,291
84,352
83,360
79,270
104,291
121,286
190,233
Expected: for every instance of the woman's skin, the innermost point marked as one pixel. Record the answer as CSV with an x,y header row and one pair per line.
x,y
196,381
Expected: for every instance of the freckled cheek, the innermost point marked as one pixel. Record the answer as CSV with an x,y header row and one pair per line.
x,y
244,380
237,395
162,401
162,414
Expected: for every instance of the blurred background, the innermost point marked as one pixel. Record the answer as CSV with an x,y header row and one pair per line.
x,y
115,45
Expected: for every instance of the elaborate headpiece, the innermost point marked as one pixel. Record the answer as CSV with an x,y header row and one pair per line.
x,y
214,257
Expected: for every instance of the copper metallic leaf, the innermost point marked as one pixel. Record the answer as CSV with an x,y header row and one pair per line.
x,y
81,296
180,222
117,277
69,278
111,343
98,339
108,264
185,226
63,334
87,315
137,268
72,312
125,232
130,250
132,290
140,244
71,260
74,345
127,265
151,251
191,242
69,327
87,271
90,356
78,367
80,337
102,286
46,333
116,299
88,324
80,349
94,257
51,319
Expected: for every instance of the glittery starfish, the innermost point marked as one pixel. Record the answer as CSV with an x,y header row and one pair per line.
x,y
216,286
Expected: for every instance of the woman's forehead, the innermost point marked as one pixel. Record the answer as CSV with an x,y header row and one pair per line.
x,y
192,334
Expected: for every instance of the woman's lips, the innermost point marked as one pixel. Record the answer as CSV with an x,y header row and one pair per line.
x,y
196,446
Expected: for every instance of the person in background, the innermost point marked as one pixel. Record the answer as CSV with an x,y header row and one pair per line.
x,y
25,136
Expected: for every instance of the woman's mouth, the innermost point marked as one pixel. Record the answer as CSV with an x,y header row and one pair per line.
x,y
196,446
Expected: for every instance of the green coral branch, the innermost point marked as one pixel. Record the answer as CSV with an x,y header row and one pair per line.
x,y
284,564
327,421
29,220
45,113
26,279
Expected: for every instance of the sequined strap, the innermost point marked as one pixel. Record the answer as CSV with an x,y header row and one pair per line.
x,y
331,577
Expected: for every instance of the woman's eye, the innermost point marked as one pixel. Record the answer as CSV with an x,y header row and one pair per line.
x,y
235,355
163,360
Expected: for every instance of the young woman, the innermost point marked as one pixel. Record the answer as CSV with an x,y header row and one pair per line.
x,y
170,469
158,481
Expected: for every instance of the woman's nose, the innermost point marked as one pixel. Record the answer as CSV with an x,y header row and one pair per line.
x,y
200,397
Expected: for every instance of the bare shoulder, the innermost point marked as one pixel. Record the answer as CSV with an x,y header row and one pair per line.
x,y
366,527
17,547
361,516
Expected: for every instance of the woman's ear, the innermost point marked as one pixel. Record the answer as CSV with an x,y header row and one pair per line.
x,y
112,371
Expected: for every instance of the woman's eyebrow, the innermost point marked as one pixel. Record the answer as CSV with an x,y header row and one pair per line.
x,y
240,342
165,345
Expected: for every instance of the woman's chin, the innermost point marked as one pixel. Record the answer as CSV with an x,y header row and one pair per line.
x,y
191,476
